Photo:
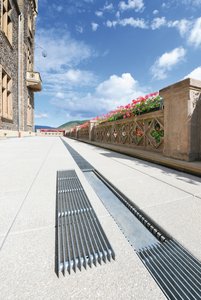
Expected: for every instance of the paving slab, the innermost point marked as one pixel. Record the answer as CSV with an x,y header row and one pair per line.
x,y
41,198
181,219
1,239
9,205
180,180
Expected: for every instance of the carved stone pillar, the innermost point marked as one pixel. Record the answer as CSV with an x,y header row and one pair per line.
x,y
182,125
92,124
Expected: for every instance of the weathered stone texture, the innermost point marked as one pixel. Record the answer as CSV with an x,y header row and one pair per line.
x,y
181,120
9,62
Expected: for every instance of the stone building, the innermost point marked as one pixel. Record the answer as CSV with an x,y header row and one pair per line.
x,y
18,80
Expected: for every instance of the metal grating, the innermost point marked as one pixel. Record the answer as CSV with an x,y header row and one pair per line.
x,y
153,228
82,163
175,270
81,239
85,166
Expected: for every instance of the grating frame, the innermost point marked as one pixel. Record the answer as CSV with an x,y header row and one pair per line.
x,y
82,163
82,241
175,270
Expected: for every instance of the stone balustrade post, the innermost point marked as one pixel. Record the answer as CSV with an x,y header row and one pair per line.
x,y
77,132
182,120
92,125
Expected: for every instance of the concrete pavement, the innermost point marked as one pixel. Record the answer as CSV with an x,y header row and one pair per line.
x,y
172,199
27,229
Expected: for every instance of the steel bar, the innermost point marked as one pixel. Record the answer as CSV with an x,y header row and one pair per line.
x,y
81,239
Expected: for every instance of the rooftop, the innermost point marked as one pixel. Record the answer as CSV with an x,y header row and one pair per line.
x,y
27,222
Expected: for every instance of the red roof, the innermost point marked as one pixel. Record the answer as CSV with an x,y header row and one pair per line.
x,y
52,130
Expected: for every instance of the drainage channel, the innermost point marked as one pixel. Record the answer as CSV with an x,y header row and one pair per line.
x,y
174,269
81,239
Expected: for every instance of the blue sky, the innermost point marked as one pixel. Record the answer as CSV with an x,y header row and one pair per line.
x,y
102,54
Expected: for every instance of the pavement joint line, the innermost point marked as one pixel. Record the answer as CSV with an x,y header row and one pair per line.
x,y
18,232
26,196
154,177
168,202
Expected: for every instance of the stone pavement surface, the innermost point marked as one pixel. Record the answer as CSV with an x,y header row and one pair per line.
x,y
27,230
172,199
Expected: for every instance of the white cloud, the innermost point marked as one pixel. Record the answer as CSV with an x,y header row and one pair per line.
x,y
60,95
118,14
196,74
108,6
158,22
78,76
113,92
99,13
68,80
182,25
195,34
62,50
137,5
166,62
166,4
94,26
155,12
190,2
117,87
41,116
59,8
137,23
111,24
79,29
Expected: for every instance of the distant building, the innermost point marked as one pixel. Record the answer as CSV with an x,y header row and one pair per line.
x,y
18,80
50,132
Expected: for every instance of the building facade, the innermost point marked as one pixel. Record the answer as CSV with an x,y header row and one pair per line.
x,y
50,132
18,79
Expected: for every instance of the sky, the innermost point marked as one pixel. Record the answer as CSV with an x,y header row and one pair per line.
x,y
102,54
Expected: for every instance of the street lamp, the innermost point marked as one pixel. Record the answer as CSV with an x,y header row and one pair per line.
x,y
43,52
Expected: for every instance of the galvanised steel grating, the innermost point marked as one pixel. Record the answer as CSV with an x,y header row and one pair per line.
x,y
82,163
175,270
81,239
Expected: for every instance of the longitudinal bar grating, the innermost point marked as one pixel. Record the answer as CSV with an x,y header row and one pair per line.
x,y
81,239
82,163
176,271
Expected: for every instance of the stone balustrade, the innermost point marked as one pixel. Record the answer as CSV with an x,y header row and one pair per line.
x,y
174,131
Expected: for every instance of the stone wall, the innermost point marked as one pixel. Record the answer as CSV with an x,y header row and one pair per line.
x,y
26,7
9,62
28,10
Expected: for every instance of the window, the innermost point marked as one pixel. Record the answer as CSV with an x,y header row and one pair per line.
x,y
6,96
6,20
29,60
29,112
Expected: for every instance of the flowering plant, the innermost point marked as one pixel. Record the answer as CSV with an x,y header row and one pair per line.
x,y
138,106
84,125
